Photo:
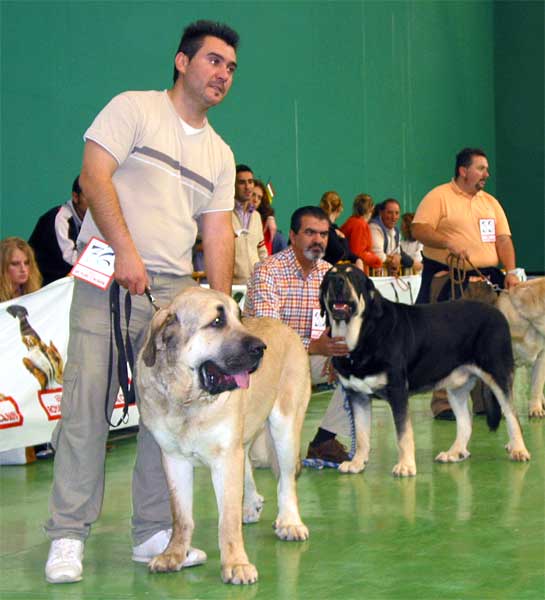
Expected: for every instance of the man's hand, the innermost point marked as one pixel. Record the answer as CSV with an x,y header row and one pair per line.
x,y
511,281
393,264
130,271
458,251
328,346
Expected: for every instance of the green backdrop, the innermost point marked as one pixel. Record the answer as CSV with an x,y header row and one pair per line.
x,y
355,96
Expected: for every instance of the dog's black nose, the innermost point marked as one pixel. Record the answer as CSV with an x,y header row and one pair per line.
x,y
254,346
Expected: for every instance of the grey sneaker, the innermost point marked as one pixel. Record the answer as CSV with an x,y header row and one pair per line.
x,y
157,543
64,561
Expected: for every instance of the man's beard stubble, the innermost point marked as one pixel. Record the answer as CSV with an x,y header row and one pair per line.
x,y
314,252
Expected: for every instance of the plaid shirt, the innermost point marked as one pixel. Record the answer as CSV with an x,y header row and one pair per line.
x,y
277,289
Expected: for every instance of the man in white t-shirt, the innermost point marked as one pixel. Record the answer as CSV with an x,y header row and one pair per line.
x,y
152,168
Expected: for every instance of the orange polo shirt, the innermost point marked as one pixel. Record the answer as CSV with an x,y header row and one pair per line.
x,y
473,222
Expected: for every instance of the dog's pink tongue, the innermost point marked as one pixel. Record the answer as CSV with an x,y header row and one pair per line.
x,y
242,379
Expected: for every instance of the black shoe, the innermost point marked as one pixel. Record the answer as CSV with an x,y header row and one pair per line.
x,y
331,450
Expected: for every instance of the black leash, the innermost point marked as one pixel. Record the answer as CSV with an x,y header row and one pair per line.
x,y
124,354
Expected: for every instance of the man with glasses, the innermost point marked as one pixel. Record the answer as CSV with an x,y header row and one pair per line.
x,y
286,286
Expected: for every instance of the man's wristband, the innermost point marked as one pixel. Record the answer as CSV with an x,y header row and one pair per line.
x,y
513,272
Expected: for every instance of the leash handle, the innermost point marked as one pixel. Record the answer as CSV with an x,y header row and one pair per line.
x,y
150,297
457,275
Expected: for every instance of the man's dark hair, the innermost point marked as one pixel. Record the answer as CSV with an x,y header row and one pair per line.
x,y
306,211
464,158
243,168
76,187
194,34
388,200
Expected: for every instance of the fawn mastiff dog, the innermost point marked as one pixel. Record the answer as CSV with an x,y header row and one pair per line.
x,y
524,309
397,350
207,384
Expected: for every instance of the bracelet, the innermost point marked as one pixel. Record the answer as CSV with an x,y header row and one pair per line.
x,y
513,272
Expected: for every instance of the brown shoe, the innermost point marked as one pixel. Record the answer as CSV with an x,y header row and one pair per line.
x,y
330,450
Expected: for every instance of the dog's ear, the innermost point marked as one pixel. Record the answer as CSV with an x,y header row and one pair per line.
x,y
149,352
376,304
171,337
323,310
373,297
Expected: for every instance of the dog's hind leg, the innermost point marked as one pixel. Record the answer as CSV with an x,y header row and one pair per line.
x,y
516,447
286,435
253,501
361,412
459,401
179,474
536,408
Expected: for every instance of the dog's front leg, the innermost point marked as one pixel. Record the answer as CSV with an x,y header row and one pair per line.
x,y
399,402
227,477
286,434
179,474
361,412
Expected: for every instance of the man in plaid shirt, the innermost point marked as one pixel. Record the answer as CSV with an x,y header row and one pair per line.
x,y
286,286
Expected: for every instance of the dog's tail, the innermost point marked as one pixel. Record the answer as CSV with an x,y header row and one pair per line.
x,y
492,408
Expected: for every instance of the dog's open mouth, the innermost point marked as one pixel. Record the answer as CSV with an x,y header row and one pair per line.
x,y
341,311
215,381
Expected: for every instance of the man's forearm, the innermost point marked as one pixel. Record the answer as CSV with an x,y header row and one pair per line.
x,y
506,252
219,250
428,236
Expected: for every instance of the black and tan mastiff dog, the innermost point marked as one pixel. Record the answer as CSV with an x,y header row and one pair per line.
x,y
207,385
397,350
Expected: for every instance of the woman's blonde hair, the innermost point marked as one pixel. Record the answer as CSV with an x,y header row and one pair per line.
x,y
34,282
331,202
363,204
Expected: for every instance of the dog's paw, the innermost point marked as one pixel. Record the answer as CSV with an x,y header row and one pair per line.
x,y
404,470
167,562
352,466
452,456
536,411
251,511
518,454
291,532
239,574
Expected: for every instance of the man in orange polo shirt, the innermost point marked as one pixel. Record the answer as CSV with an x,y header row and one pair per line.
x,y
461,219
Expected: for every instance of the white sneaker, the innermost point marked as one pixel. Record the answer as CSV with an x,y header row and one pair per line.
x,y
64,561
157,543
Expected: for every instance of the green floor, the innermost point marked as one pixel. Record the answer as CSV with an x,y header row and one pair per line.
x,y
471,530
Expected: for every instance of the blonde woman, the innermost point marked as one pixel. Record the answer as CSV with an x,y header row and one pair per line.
x,y
337,246
20,274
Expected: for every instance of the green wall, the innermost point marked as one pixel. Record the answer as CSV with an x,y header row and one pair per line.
x,y
355,96
519,52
